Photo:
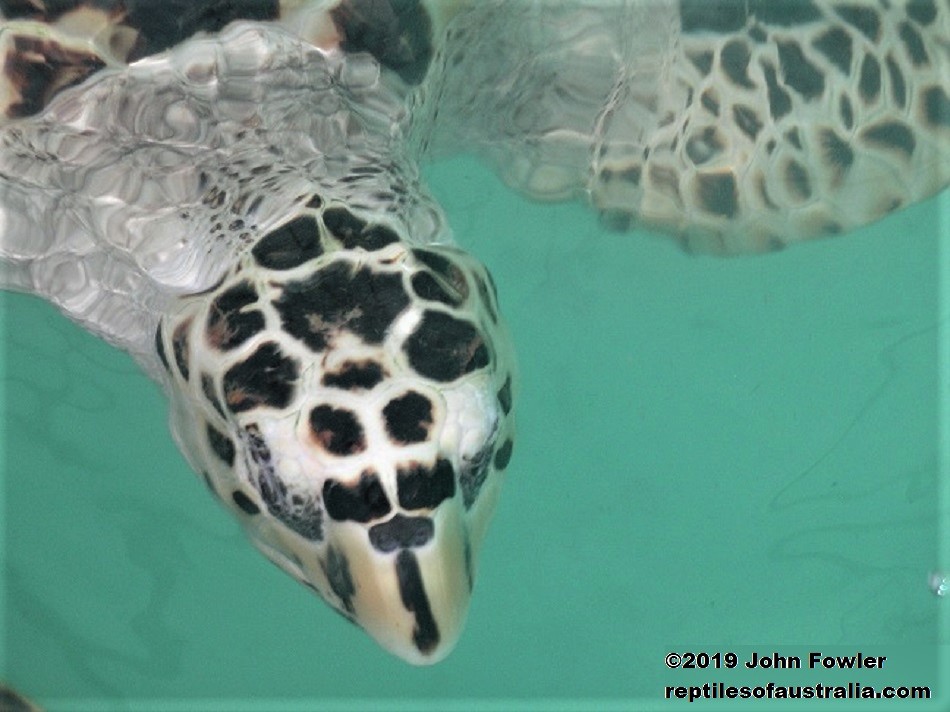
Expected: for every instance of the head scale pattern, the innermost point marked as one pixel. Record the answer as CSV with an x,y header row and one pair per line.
x,y
349,396
345,387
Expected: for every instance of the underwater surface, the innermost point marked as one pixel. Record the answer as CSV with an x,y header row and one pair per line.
x,y
713,455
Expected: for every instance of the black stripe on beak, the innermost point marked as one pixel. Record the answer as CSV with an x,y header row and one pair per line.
x,y
426,633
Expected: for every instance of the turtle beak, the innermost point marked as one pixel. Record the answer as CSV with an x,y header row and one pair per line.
x,y
410,581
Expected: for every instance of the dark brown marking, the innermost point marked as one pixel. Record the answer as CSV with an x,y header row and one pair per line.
x,y
401,532
355,375
245,503
338,297
846,111
734,60
376,237
290,245
315,202
914,44
891,135
444,348
780,102
338,430
266,378
835,44
702,61
473,473
354,232
935,105
796,178
469,569
180,347
408,418
344,225
485,297
361,502
412,590
798,73
717,194
156,32
337,570
704,145
862,16
698,16
869,83
758,34
421,487
297,510
221,445
836,153
38,69
207,387
427,286
503,455
747,119
451,274
710,101
398,33
160,347
230,322
794,138
730,16
504,396
898,84
785,13
630,175
923,12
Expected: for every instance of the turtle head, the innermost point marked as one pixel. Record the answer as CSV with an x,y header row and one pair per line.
x,y
352,406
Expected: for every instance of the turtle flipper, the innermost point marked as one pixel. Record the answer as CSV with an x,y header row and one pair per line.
x,y
149,180
734,126
792,120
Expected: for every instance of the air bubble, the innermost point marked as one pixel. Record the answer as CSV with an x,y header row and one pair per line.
x,y
939,582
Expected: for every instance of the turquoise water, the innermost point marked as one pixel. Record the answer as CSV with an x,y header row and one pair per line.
x,y
713,455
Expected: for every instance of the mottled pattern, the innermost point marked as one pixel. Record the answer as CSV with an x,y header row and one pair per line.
x,y
242,211
719,123
325,357
814,116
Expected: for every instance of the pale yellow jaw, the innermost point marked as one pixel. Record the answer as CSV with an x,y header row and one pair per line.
x,y
413,601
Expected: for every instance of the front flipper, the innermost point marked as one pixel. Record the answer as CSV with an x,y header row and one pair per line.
x,y
148,181
736,127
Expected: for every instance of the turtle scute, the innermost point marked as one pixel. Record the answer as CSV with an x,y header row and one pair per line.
x,y
357,426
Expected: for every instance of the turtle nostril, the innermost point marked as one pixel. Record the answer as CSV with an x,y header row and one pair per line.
x,y
401,533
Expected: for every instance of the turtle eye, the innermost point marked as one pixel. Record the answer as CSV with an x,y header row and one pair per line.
x,y
361,502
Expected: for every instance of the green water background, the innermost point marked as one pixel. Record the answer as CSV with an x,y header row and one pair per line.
x,y
712,454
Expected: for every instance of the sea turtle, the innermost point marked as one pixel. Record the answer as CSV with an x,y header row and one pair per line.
x,y
229,191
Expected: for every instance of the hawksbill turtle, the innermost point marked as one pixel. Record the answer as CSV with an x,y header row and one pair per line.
x,y
230,192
